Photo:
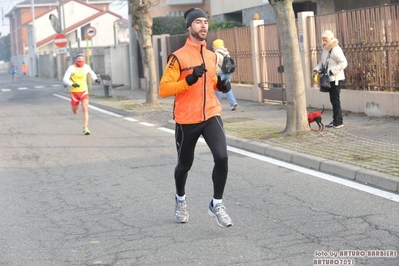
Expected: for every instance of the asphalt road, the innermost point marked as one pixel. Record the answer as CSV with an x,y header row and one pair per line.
x,y
108,198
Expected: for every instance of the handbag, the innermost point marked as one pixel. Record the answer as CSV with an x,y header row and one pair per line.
x,y
325,84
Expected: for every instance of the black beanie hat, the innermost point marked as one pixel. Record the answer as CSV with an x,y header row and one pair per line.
x,y
194,13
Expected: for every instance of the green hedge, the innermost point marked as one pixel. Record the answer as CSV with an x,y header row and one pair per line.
x,y
177,25
169,25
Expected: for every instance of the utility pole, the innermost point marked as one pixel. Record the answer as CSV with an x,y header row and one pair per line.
x,y
34,57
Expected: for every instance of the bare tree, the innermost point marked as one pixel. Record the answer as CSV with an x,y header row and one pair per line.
x,y
295,84
140,10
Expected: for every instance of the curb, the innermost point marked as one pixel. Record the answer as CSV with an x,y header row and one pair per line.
x,y
342,170
354,173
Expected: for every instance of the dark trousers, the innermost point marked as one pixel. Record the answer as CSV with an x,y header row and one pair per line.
x,y
186,139
336,103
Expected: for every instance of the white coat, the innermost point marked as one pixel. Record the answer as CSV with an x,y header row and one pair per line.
x,y
336,63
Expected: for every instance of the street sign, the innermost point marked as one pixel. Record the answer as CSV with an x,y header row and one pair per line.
x,y
60,40
61,50
90,32
55,22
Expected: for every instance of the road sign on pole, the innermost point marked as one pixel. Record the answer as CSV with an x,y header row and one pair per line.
x,y
55,22
61,50
90,32
60,40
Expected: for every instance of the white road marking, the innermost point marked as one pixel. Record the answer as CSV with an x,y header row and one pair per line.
x,y
91,106
338,180
130,119
105,111
331,178
62,97
146,124
168,130
36,87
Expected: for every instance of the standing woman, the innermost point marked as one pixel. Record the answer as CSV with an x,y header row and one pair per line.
x,y
333,55
75,78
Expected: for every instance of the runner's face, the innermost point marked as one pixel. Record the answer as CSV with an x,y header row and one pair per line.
x,y
80,62
199,29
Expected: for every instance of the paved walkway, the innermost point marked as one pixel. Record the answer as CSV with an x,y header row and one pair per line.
x,y
366,149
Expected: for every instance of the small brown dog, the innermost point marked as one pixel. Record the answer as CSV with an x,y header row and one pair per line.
x,y
316,116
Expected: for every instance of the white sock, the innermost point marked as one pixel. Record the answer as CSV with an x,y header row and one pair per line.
x,y
182,198
217,201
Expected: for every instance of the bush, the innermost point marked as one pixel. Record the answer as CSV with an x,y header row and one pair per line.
x,y
169,25
224,25
177,25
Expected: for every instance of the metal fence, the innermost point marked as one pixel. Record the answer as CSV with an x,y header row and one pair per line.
x,y
271,64
236,40
271,58
370,40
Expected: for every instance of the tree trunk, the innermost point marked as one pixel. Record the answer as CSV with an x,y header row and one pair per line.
x,y
294,81
142,23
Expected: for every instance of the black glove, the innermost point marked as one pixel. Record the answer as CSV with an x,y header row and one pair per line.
x,y
223,85
75,85
198,71
97,81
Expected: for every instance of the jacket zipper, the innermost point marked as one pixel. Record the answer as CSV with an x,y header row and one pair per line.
x,y
203,107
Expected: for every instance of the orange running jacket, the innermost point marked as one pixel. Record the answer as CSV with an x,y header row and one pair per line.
x,y
198,102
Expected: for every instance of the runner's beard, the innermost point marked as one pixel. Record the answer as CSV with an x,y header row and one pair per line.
x,y
198,36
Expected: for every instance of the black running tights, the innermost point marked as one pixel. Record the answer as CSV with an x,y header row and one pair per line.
x,y
186,139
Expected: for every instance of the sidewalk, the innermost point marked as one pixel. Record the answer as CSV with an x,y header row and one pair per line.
x,y
365,150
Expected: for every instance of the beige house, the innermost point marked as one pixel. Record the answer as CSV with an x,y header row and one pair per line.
x,y
31,36
176,8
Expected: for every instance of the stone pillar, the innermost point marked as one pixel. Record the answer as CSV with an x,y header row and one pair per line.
x,y
255,54
304,33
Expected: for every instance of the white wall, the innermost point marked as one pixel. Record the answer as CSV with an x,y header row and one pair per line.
x,y
372,103
43,26
117,64
4,67
75,12
220,7
104,26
